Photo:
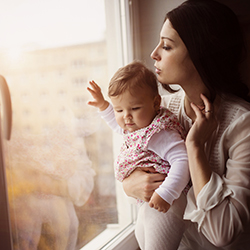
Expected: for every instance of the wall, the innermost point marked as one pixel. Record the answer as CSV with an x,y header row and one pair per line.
x,y
152,14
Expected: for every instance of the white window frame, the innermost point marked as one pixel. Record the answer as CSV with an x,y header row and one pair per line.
x,y
122,25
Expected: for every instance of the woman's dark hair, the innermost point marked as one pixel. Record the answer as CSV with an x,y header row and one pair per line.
x,y
213,37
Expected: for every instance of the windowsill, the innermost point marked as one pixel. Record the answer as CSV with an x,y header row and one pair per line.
x,y
118,240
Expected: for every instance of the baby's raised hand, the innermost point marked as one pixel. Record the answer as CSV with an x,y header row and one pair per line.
x,y
158,203
96,92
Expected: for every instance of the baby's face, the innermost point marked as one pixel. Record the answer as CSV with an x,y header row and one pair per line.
x,y
135,110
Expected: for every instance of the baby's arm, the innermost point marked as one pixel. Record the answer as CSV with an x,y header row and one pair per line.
x,y
105,108
169,145
158,203
96,92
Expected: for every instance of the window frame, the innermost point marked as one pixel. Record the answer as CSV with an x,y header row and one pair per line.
x,y
122,42
5,229
5,132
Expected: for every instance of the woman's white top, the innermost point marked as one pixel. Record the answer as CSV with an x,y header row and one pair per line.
x,y
220,215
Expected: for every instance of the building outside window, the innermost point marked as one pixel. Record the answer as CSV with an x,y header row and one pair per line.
x,y
58,163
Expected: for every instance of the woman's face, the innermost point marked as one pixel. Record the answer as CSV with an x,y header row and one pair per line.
x,y
172,62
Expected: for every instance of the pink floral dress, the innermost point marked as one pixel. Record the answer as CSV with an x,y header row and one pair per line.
x,y
134,151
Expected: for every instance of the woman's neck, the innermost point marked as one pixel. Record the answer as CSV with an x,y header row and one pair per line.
x,y
196,99
188,109
193,88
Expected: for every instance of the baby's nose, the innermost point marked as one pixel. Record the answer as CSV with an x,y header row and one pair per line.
x,y
127,114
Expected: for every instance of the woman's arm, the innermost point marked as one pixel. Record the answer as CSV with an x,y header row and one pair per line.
x,y
215,198
198,135
225,197
142,183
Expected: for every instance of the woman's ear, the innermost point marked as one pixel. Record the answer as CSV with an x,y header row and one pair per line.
x,y
157,102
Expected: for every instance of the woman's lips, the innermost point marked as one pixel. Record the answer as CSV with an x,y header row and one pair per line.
x,y
157,71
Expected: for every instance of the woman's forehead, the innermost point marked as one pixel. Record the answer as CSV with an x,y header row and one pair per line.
x,y
168,32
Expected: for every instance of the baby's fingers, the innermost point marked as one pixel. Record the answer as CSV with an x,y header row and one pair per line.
x,y
91,91
94,86
93,103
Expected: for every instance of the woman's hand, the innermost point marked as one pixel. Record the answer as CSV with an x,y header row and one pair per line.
x,y
199,133
204,124
142,183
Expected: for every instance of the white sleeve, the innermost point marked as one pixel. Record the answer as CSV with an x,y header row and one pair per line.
x,y
169,145
224,202
108,116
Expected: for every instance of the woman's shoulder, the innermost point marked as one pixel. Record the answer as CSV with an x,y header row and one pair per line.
x,y
233,125
234,114
235,105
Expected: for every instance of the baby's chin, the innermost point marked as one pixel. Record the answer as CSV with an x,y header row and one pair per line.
x,y
131,130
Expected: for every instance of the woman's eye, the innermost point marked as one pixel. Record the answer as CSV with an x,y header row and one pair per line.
x,y
166,47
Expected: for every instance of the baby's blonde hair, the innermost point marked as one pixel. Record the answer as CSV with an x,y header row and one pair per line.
x,y
132,76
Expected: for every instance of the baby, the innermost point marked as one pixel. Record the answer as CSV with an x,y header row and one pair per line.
x,y
153,137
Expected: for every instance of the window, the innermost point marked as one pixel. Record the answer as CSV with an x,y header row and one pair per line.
x,y
60,187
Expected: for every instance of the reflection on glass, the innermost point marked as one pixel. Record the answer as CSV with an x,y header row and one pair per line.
x,y
59,159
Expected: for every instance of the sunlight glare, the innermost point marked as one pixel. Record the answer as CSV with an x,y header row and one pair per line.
x,y
50,23
15,53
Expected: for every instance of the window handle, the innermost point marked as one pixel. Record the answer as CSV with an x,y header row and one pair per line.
x,y
6,108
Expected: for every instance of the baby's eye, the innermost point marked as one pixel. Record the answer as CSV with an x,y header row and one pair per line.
x,y
119,110
136,108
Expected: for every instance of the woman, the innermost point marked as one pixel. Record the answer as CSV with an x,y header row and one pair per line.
x,y
200,49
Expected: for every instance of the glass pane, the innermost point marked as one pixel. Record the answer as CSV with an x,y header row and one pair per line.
x,y
59,161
